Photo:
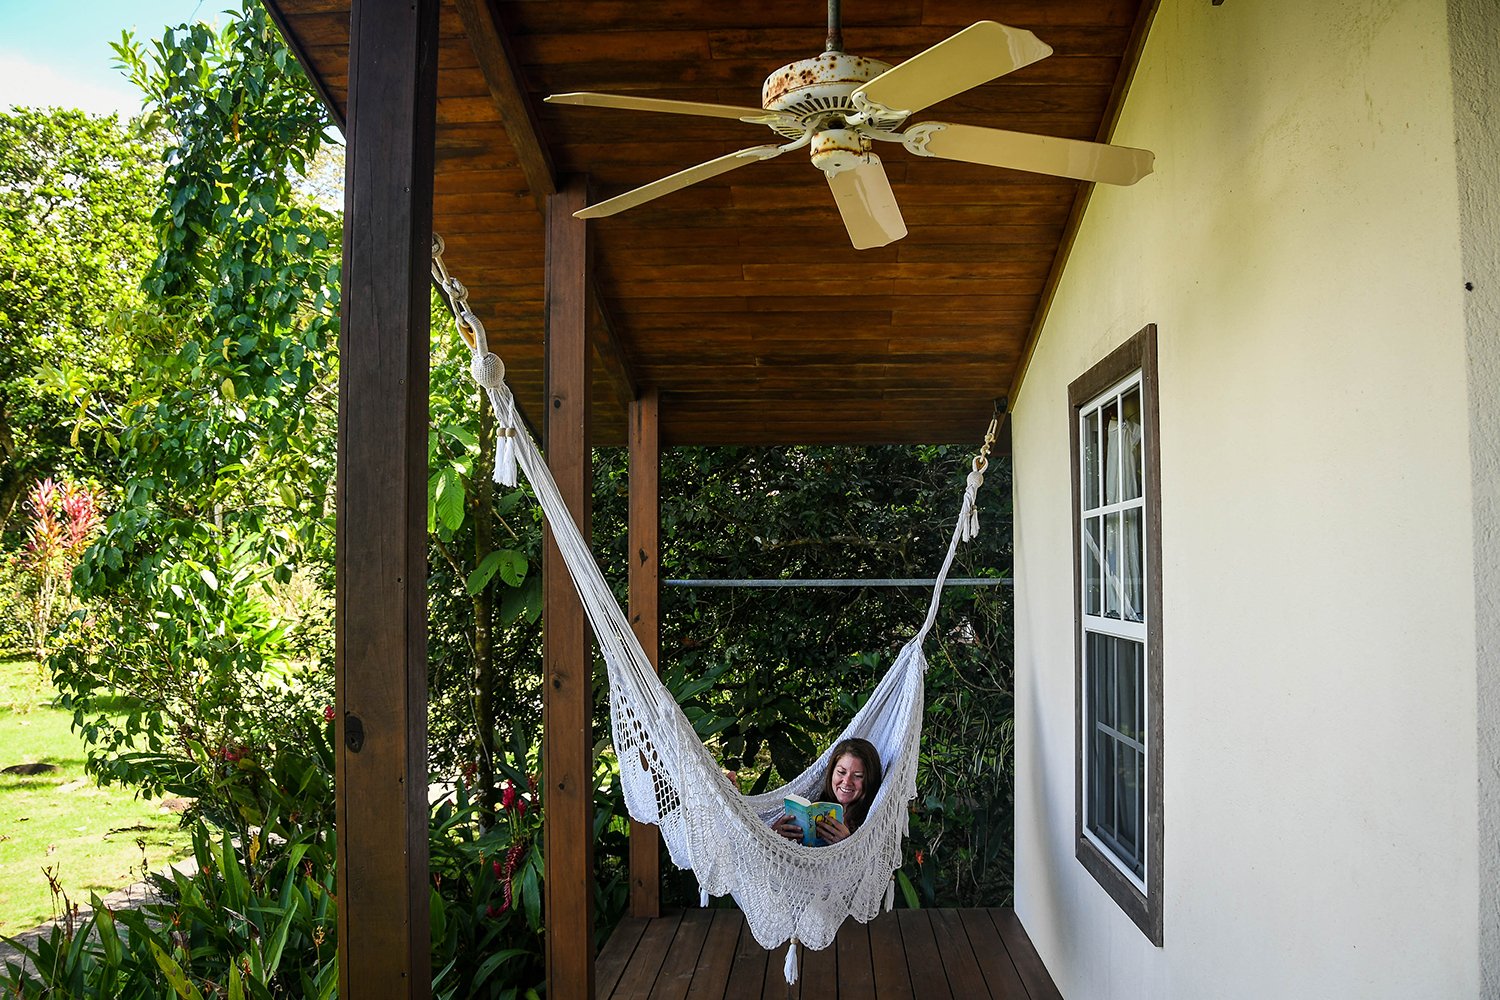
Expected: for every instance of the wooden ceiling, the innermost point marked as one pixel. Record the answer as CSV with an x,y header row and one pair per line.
x,y
740,298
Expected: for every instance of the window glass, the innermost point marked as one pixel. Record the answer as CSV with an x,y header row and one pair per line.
x,y
1092,551
1089,470
1131,471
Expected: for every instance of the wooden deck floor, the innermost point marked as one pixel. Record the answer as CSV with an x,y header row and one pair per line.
x,y
903,955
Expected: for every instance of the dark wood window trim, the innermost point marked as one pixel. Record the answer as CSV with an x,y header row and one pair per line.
x,y
1136,354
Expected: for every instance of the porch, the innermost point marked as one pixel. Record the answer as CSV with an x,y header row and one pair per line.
x,y
926,954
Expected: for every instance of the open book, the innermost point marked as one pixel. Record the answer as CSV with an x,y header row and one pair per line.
x,y
807,815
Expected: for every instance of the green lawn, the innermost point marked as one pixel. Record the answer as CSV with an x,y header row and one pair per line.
x,y
93,839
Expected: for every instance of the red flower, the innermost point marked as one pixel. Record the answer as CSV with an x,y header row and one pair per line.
x,y
491,912
521,807
508,797
499,872
328,713
920,858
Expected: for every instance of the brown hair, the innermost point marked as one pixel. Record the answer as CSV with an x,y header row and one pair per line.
x,y
854,814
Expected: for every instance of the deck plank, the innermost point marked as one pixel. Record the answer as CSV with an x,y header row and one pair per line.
x,y
676,974
748,975
856,974
711,979
818,977
645,963
957,953
906,955
993,956
1039,984
776,987
615,955
888,959
928,980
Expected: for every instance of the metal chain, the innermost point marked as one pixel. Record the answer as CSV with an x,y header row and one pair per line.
x,y
469,325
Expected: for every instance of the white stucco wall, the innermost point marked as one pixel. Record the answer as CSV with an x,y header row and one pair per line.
x,y
1475,35
1299,249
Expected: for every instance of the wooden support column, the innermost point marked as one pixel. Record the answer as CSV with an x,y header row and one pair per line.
x,y
567,668
381,561
644,430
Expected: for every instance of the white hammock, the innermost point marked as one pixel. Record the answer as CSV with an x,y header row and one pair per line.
x,y
787,891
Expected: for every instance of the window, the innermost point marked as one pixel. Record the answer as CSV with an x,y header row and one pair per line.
x,y
1117,574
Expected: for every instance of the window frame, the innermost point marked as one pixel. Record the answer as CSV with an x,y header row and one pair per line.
x,y
1140,899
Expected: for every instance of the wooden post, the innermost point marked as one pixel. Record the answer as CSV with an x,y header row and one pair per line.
x,y
567,670
644,431
381,562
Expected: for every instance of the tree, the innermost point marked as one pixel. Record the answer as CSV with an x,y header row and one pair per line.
x,y
212,574
75,240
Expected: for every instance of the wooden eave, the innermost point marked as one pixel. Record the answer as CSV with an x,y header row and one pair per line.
x,y
740,299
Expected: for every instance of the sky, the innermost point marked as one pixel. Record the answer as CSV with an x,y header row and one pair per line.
x,y
58,54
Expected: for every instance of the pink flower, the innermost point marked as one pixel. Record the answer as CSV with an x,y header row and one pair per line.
x,y
508,797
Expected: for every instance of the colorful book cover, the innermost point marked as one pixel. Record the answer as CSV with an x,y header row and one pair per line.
x,y
807,814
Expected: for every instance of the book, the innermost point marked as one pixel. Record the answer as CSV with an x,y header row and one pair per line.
x,y
806,814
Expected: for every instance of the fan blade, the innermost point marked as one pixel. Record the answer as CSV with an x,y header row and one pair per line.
x,y
975,55
677,181
669,107
867,205
1040,154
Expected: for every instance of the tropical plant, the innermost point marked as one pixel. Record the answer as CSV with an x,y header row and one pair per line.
x,y
64,518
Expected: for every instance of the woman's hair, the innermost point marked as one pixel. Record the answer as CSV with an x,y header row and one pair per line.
x,y
854,814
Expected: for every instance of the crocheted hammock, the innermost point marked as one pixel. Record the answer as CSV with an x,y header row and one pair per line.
x,y
788,892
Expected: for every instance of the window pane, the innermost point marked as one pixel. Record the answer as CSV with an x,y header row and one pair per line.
x,y
1127,718
1131,530
1112,444
1089,471
1107,819
1112,565
1092,552
1130,444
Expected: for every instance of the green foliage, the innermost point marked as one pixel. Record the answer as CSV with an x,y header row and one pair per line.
x,y
198,589
769,676
75,241
255,920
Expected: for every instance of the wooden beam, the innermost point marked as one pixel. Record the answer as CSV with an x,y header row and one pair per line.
x,y
610,349
381,562
502,76
567,670
644,432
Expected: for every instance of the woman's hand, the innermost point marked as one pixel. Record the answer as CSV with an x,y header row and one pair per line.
x,y
831,829
787,827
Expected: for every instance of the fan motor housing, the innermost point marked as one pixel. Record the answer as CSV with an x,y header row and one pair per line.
x,y
819,87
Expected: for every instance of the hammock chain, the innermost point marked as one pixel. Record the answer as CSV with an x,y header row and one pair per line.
x,y
485,367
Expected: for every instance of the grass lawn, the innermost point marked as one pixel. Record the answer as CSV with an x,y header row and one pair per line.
x,y
93,839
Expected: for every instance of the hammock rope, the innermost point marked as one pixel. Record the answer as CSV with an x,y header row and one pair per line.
x,y
786,891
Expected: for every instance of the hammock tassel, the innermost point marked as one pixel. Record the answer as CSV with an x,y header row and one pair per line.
x,y
505,456
702,898
790,970
890,896
968,520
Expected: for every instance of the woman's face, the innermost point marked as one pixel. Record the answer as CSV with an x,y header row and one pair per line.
x,y
848,779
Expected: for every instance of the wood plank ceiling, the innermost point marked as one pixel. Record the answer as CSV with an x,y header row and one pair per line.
x,y
740,298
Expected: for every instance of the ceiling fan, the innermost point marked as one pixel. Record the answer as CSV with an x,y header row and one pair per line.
x,y
838,105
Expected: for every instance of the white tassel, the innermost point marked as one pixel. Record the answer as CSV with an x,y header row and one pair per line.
x,y
505,457
890,896
790,969
968,518
702,897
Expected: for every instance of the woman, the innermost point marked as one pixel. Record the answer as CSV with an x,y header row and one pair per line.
x,y
852,780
